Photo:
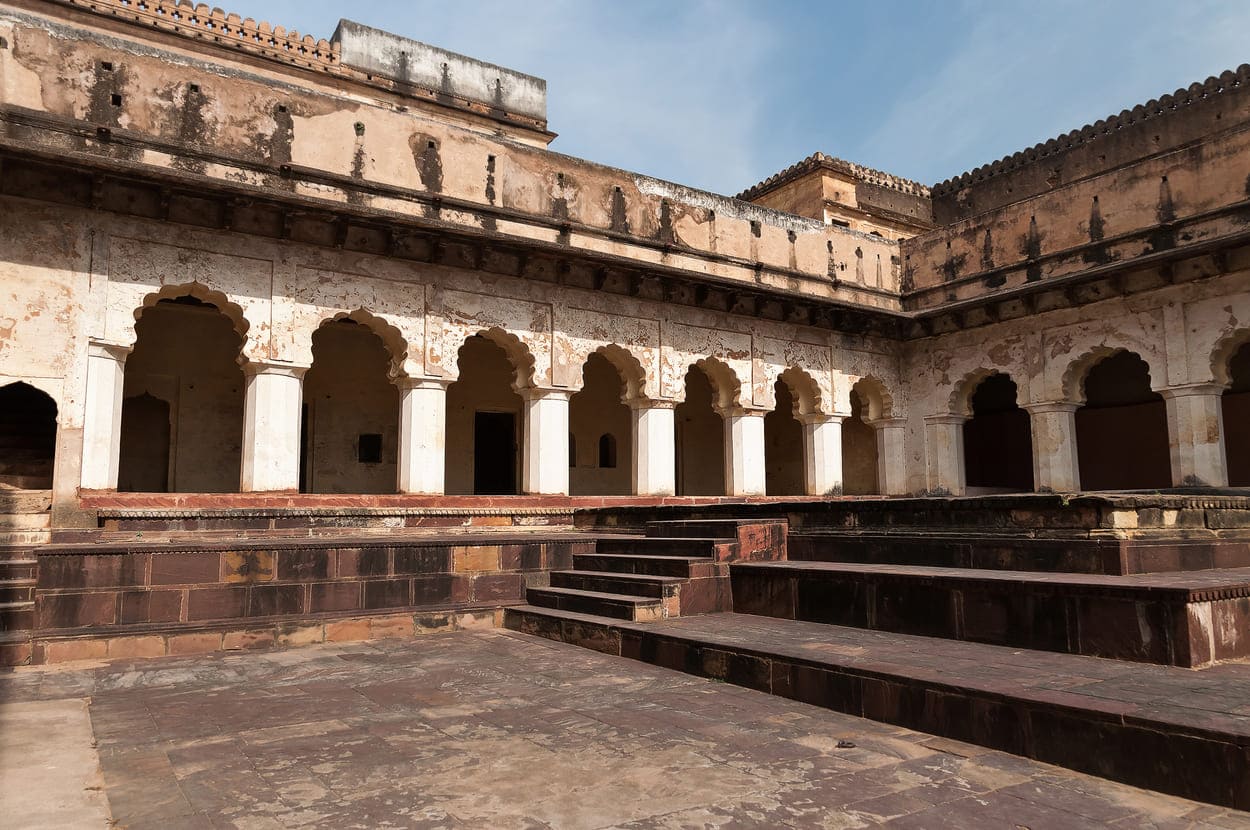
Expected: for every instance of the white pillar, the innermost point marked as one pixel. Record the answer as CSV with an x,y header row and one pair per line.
x,y
1196,435
271,424
655,450
944,453
422,435
891,455
545,456
744,452
102,420
822,454
1055,467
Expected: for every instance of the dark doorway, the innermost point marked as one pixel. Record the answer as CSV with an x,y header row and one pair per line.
x,y
27,437
145,442
494,453
1236,417
783,447
1122,431
998,440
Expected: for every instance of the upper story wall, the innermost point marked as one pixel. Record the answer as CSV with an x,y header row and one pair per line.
x,y
92,86
1156,127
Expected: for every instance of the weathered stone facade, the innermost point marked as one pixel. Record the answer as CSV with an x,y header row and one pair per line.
x,y
242,261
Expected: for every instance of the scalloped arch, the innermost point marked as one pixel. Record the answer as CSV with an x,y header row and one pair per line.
x,y
804,388
875,395
1222,354
627,364
231,310
391,337
519,355
960,402
724,381
1073,385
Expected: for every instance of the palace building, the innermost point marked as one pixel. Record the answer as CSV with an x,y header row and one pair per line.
x,y
300,334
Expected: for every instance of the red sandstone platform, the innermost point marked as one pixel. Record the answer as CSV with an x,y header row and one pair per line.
x,y
1169,729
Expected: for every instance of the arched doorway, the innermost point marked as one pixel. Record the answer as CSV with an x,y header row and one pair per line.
x,y
182,413
700,439
27,437
1236,405
483,422
1122,430
600,433
783,446
351,413
859,449
998,440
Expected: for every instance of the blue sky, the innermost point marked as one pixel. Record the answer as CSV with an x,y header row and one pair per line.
x,y
719,94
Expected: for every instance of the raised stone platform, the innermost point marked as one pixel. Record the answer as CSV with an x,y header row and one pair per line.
x,y
1158,727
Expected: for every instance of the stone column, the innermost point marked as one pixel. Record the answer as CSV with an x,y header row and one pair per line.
x,y
422,435
822,454
1055,467
1196,435
944,453
744,452
545,456
655,449
891,455
102,419
271,424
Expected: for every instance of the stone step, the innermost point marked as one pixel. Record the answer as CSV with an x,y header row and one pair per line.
x,y
25,501
13,538
17,616
721,529
660,546
1157,727
17,590
25,521
642,585
15,648
1182,619
1002,551
678,566
615,606
18,567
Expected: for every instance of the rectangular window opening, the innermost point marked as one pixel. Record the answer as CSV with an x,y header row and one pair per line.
x,y
369,448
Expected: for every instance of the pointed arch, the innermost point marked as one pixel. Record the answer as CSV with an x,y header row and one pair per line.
x,y
960,401
1073,383
391,337
725,383
804,389
28,433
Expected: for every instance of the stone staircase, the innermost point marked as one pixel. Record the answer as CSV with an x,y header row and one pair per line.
x,y
25,517
677,568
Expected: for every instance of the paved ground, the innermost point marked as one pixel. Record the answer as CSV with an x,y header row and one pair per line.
x,y
501,730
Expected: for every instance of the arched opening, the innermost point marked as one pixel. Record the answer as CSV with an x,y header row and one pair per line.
x,y
483,422
607,451
783,446
1122,430
859,449
27,437
700,439
597,413
1236,404
998,440
185,357
351,413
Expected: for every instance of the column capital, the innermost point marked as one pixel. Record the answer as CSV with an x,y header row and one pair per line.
x,y
737,411
405,382
1191,389
1048,407
112,351
821,418
650,403
946,418
538,393
270,367
889,422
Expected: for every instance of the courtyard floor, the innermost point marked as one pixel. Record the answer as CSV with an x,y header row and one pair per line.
x,y
497,730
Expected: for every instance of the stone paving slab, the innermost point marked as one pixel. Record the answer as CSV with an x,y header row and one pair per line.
x,y
501,730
